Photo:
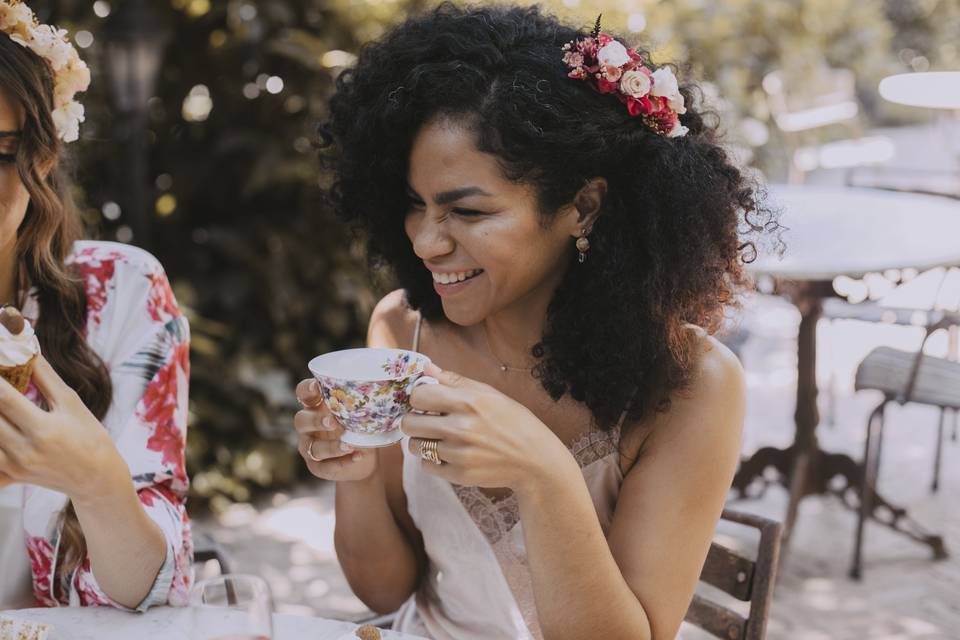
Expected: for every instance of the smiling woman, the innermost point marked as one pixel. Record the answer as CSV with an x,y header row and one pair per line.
x,y
92,479
565,229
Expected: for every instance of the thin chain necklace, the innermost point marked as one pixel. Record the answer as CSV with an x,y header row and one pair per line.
x,y
504,367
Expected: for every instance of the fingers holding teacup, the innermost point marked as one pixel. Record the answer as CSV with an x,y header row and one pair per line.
x,y
328,459
309,394
317,422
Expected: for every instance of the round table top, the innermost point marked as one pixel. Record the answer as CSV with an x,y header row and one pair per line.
x,y
834,231
932,89
104,623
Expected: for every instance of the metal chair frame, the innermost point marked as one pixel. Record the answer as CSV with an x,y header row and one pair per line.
x,y
873,447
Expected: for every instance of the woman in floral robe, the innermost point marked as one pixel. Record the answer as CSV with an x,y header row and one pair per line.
x,y
92,477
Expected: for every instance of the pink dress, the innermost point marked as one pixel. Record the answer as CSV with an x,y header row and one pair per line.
x,y
477,584
135,326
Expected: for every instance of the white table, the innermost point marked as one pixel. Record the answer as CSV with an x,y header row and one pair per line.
x,y
166,623
831,232
834,231
933,90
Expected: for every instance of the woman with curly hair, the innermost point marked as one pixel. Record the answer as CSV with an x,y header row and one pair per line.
x,y
92,478
565,229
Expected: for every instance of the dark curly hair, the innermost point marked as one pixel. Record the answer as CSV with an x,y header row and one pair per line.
x,y
666,250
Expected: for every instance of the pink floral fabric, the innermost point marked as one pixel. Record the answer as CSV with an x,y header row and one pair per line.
x,y
135,326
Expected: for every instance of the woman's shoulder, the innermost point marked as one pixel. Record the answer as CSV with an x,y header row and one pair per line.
x,y
123,278
88,255
715,366
709,409
393,322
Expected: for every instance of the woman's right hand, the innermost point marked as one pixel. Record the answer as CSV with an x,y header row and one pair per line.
x,y
319,434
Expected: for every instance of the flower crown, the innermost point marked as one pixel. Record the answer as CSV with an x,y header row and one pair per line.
x,y
70,74
609,67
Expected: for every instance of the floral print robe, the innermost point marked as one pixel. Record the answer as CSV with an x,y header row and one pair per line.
x,y
135,326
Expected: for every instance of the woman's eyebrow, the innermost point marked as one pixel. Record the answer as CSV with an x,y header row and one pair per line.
x,y
10,134
446,197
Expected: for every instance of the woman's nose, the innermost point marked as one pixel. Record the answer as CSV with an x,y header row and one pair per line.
x,y
429,236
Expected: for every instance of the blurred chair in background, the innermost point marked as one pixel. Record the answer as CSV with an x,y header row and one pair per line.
x,y
802,113
206,548
903,377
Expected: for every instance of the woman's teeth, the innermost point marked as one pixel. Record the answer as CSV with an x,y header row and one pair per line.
x,y
457,276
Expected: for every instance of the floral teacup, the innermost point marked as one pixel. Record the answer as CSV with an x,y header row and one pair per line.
x,y
368,390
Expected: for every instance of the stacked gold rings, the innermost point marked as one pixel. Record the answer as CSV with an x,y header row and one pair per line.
x,y
428,451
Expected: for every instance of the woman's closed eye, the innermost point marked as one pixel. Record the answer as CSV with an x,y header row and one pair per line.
x,y
469,213
417,204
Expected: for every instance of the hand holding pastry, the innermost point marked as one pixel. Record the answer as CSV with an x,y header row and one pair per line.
x,y
18,348
64,448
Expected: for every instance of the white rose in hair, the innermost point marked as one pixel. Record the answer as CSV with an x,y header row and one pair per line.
x,y
50,43
665,83
73,78
678,131
11,15
676,103
67,119
613,54
635,83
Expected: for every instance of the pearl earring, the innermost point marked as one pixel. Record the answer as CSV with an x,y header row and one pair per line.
x,y
583,245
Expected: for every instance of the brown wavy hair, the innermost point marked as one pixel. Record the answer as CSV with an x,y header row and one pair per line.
x,y
44,240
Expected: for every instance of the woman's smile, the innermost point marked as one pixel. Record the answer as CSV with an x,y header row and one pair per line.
x,y
447,283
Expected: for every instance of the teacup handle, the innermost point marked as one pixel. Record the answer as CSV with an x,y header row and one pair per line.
x,y
424,380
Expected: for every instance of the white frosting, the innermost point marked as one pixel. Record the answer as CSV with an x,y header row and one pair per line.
x,y
17,349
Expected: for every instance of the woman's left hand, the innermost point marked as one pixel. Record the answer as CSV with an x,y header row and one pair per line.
x,y
65,448
485,439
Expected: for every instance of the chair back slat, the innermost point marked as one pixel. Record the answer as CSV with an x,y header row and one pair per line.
x,y
716,620
742,578
728,571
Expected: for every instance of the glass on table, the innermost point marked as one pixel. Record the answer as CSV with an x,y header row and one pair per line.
x,y
232,607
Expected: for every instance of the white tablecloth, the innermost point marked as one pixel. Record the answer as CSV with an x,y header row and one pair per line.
x,y
165,623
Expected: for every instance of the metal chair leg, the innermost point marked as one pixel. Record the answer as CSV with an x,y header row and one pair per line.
x,y
938,456
867,484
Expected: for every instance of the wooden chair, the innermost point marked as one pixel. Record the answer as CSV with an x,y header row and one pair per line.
x,y
745,579
742,578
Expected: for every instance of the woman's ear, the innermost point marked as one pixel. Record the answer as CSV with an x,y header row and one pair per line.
x,y
589,203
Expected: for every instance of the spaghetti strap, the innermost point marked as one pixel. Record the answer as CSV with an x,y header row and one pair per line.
x,y
626,409
416,332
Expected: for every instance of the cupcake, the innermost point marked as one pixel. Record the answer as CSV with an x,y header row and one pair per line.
x,y
18,348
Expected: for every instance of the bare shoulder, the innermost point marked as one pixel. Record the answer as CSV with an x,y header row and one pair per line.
x,y
708,413
392,323
717,370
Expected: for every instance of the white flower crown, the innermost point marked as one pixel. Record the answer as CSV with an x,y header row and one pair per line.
x,y
70,74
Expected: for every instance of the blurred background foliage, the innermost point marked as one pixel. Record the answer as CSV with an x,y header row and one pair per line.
x,y
233,195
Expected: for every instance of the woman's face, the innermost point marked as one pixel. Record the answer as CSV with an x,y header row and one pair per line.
x,y
480,234
14,197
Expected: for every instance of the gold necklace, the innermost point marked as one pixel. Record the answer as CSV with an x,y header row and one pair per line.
x,y
504,367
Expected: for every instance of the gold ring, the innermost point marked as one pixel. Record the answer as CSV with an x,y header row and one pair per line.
x,y
310,407
310,452
429,450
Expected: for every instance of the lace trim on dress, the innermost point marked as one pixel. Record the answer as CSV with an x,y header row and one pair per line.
x,y
496,517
